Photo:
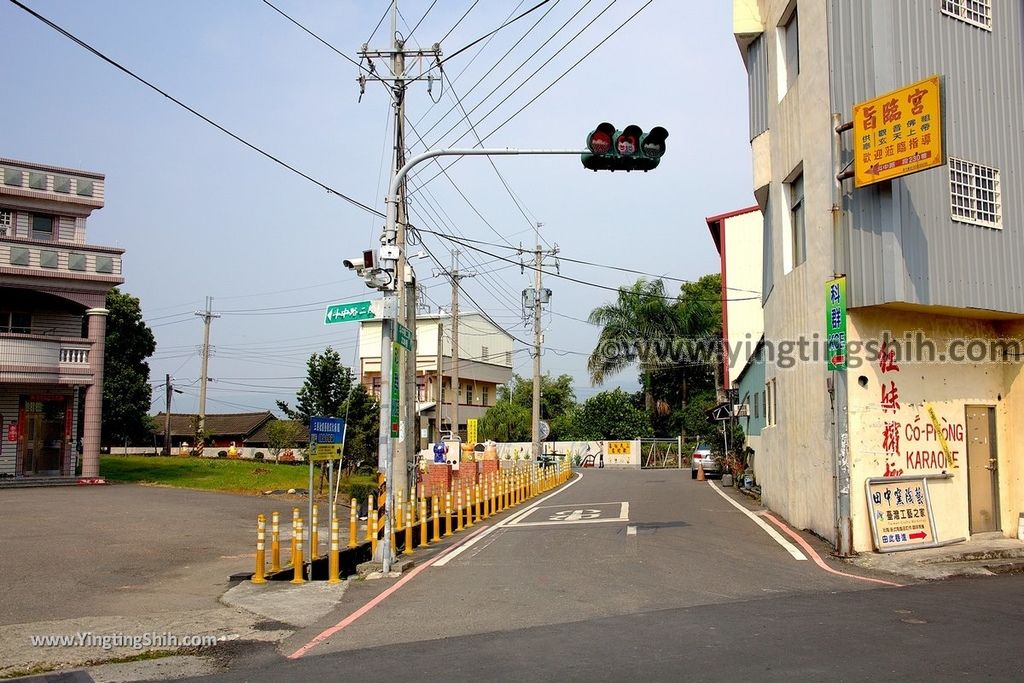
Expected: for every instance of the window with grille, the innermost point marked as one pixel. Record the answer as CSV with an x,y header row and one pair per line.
x,y
485,354
796,218
508,358
974,194
6,223
975,12
469,394
484,397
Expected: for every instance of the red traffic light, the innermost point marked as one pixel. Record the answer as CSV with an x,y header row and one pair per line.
x,y
600,140
628,142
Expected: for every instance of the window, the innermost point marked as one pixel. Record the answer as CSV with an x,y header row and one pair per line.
x,y
789,51
13,177
61,183
768,252
975,12
974,194
485,354
469,394
770,403
16,323
421,388
376,388
42,228
508,358
36,180
758,85
6,223
484,398
84,187
796,220
757,404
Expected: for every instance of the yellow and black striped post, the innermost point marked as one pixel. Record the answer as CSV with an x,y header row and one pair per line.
x,y
334,559
353,526
261,539
297,566
275,542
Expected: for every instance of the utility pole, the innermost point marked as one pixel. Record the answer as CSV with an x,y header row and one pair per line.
x,y
403,286
456,275
167,414
439,385
207,316
537,297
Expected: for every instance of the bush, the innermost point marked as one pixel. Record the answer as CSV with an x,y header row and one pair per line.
x,y
258,456
222,454
359,488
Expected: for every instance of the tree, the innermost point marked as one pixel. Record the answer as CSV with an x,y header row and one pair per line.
x,y
608,415
281,435
127,394
506,421
557,399
330,390
325,389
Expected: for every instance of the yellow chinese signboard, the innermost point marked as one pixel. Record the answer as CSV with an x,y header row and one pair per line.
x,y
472,424
619,447
898,133
326,451
901,513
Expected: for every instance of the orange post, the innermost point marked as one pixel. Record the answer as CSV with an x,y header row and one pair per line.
x,y
353,527
261,559
275,542
437,519
458,510
448,514
423,521
297,566
371,513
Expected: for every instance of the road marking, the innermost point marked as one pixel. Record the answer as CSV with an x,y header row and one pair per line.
x,y
790,548
817,558
577,514
631,530
503,523
352,618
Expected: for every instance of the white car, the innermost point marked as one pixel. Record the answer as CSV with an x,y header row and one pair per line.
x,y
702,457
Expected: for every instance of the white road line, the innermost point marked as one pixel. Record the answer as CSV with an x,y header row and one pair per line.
x,y
631,530
569,522
462,548
790,548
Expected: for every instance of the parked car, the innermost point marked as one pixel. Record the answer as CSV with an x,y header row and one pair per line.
x,y
702,457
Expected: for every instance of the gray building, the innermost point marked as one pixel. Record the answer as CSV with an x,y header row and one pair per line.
x,y
930,259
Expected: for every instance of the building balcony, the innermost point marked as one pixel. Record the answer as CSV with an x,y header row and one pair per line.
x,y
60,260
34,358
55,183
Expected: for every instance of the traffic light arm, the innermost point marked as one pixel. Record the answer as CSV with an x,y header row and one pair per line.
x,y
389,262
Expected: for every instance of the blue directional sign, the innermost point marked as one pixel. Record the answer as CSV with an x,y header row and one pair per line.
x,y
326,429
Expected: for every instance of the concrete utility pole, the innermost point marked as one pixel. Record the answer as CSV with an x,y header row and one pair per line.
x,y
167,414
841,445
403,286
456,275
537,297
439,385
207,316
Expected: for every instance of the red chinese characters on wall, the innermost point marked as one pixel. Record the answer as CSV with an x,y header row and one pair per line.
x,y
890,402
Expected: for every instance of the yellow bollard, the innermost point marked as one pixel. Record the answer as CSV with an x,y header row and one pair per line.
x,y
504,493
437,520
295,525
448,514
334,559
297,567
485,505
399,512
469,507
408,528
476,502
261,558
275,542
412,503
353,528
423,521
458,510
314,535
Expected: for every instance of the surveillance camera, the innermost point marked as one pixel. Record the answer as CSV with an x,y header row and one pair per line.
x,y
354,263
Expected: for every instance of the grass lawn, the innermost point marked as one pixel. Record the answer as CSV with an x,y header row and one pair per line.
x,y
239,476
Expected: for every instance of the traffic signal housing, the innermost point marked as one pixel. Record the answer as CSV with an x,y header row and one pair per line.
x,y
629,149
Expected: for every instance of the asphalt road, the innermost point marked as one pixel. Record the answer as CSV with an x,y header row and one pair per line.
x,y
568,591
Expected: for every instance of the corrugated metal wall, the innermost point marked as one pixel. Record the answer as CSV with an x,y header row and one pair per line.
x,y
757,85
903,244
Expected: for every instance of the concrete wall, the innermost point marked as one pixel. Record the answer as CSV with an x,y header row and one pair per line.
x,y
742,254
616,453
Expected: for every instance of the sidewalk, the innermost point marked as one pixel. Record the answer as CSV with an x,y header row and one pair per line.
x,y
979,556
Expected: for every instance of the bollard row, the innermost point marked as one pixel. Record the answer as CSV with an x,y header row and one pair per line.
x,y
461,508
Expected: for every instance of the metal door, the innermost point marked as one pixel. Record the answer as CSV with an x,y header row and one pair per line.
x,y
982,469
44,436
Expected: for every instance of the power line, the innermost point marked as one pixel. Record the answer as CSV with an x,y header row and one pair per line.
x,y
387,8
507,23
409,37
70,36
458,22
339,52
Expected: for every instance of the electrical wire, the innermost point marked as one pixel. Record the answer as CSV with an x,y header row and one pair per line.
x,y
507,23
339,52
409,37
440,42
86,46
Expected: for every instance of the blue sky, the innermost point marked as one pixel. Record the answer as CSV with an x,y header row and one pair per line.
x,y
200,214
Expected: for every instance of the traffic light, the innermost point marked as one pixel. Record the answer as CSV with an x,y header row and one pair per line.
x,y
629,149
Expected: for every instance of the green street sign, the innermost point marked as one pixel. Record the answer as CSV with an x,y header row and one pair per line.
x,y
395,389
344,313
403,336
835,323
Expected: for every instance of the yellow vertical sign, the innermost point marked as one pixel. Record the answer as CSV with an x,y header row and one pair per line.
x,y
471,430
898,133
